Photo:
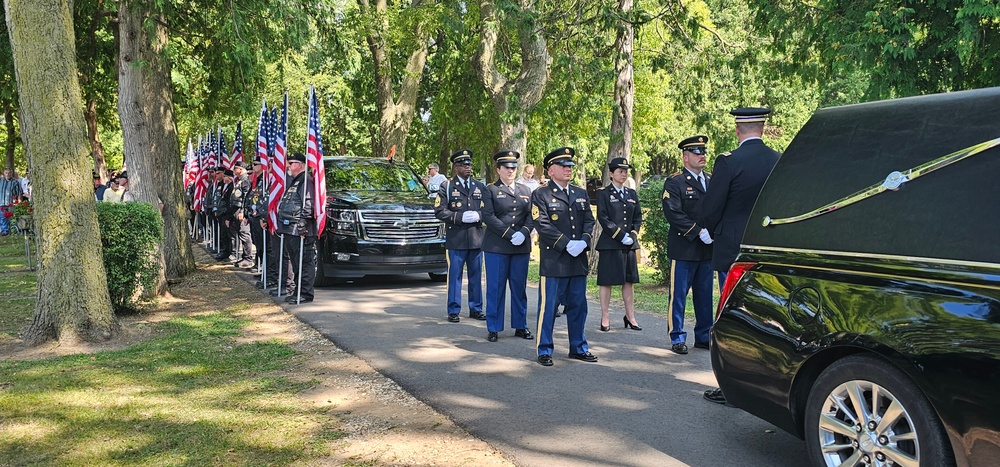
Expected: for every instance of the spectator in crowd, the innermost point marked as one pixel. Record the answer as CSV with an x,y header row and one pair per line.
x,y
26,184
10,192
123,183
99,187
435,178
114,193
528,177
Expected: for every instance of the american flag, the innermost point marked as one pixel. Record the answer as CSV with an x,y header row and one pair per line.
x,y
277,172
189,163
201,178
227,161
262,134
237,154
211,160
314,160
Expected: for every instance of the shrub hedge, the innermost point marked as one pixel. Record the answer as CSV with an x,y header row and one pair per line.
x,y
655,227
130,233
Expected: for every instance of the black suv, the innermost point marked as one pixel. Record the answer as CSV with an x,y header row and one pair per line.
x,y
863,313
380,221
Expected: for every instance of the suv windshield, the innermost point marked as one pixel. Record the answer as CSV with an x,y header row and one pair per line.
x,y
371,175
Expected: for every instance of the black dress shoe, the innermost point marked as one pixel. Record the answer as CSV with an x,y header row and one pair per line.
x,y
453,318
605,328
680,348
716,396
628,325
558,313
702,345
586,357
492,337
291,299
523,334
545,360
477,315
274,293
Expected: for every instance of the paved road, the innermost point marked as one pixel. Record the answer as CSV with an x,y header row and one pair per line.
x,y
640,405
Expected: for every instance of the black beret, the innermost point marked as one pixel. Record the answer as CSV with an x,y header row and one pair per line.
x,y
297,156
462,156
750,114
507,158
562,156
618,163
695,144
227,173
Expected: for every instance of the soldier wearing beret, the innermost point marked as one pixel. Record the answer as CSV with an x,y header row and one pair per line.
x,y
738,177
239,227
689,246
224,212
297,223
506,247
561,214
620,216
459,205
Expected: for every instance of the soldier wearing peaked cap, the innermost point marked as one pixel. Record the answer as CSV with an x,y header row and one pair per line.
x,y
620,216
459,204
506,247
738,177
688,245
561,214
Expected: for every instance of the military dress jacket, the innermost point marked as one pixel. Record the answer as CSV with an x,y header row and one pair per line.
x,y
559,218
296,216
737,179
619,216
451,202
506,211
681,200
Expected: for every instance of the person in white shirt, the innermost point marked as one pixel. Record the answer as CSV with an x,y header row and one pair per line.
x,y
435,178
528,177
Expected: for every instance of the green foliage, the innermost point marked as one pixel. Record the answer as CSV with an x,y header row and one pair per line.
x,y
655,228
130,233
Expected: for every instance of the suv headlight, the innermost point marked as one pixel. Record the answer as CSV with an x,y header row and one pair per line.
x,y
345,222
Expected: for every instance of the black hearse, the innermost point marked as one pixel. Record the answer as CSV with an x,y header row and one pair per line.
x,y
863,313
380,221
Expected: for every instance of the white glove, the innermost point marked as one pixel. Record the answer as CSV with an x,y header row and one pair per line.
x,y
575,247
627,240
470,217
705,237
517,239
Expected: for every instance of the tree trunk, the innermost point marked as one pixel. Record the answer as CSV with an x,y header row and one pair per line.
x,y
514,98
8,115
145,107
620,144
96,148
72,295
395,115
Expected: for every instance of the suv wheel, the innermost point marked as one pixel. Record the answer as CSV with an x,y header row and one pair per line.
x,y
438,277
320,279
862,411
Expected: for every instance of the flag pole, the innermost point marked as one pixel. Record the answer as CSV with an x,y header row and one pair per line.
x,y
281,264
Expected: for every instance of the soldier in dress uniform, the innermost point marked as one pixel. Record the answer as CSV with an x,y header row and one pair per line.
x,y
737,179
239,228
459,204
297,222
620,216
561,214
225,214
506,247
689,246
255,210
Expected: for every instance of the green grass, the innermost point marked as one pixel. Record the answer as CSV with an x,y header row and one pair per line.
x,y
191,397
17,289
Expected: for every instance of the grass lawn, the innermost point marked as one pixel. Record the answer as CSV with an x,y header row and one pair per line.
x,y
17,289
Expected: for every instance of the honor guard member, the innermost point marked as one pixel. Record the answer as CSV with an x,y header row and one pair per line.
x,y
620,217
224,214
239,229
459,204
737,178
562,217
255,210
297,222
506,247
689,246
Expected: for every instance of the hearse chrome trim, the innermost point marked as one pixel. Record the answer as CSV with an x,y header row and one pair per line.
x,y
851,254
892,182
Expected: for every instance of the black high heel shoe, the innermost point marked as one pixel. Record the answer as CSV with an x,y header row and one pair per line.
x,y
629,325
605,328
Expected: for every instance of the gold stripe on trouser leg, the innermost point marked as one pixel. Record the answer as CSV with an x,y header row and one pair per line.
x,y
670,294
541,314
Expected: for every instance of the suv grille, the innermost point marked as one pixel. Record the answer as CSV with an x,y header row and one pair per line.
x,y
400,226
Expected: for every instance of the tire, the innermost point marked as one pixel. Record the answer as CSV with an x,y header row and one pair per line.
x,y
320,280
438,277
913,436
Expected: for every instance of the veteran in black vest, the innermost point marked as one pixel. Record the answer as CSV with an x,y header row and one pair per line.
x,y
255,208
459,204
561,215
620,216
224,214
240,227
297,223
506,247
689,245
